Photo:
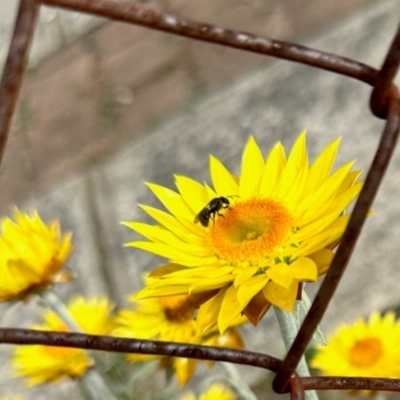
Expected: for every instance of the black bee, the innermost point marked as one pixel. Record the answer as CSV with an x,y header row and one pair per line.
x,y
212,208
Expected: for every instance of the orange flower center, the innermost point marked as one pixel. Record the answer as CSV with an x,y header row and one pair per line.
x,y
177,308
366,352
251,230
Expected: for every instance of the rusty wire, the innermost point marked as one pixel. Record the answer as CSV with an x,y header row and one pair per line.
x,y
13,70
384,103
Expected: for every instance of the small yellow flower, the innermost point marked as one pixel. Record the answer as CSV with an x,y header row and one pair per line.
x,y
168,319
45,364
171,319
366,348
216,391
32,255
259,236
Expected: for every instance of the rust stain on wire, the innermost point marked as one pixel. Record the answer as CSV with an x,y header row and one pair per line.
x,y
384,103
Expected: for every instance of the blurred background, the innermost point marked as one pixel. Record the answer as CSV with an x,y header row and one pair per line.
x,y
106,106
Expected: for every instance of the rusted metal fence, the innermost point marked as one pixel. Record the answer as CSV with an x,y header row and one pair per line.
x,y
384,104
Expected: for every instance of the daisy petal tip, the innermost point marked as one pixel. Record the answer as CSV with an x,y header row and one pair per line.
x,y
303,132
130,244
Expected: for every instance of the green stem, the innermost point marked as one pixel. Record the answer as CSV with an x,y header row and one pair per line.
x,y
290,324
235,379
85,393
94,380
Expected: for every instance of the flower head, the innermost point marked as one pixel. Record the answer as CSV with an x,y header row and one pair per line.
x,y
260,234
32,255
366,348
171,319
214,392
45,364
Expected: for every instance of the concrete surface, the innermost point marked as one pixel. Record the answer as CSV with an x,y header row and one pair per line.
x,y
273,103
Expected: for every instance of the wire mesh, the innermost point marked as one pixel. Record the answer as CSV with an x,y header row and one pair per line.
x,y
384,103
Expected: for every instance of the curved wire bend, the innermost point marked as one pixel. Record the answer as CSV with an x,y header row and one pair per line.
x,y
384,89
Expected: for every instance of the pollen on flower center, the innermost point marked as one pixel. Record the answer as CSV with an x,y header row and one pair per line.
x,y
177,308
366,352
251,230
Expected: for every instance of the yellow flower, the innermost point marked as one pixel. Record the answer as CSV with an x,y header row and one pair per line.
x,y
44,364
366,348
259,235
170,319
32,255
216,391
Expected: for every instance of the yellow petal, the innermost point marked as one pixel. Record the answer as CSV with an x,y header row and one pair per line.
x,y
207,314
193,193
230,309
323,259
174,225
252,169
161,235
316,203
247,290
281,297
273,168
231,338
184,369
280,274
244,275
304,269
346,198
297,162
174,255
322,166
172,201
297,191
213,271
160,291
210,284
324,238
349,181
224,183
166,269
195,280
